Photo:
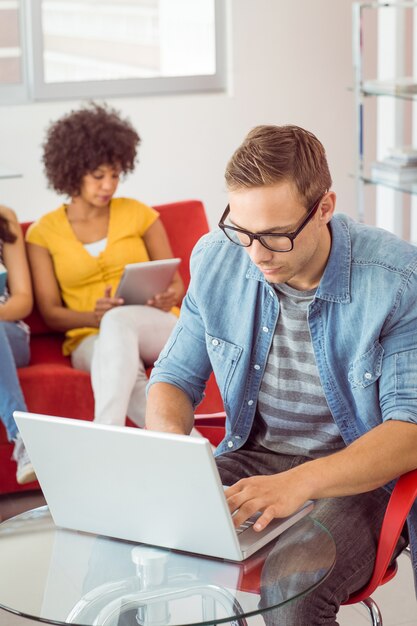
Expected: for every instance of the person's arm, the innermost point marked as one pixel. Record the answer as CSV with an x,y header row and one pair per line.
x,y
48,296
158,247
382,454
20,302
168,409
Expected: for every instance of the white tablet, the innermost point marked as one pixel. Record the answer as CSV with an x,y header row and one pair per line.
x,y
142,281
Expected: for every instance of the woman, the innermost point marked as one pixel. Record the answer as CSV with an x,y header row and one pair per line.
x,y
15,303
77,255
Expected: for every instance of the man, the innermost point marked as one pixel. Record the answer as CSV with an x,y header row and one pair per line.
x,y
309,321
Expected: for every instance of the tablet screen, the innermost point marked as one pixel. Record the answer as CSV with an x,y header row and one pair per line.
x,y
142,281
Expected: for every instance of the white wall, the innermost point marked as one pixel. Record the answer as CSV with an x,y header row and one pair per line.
x,y
290,61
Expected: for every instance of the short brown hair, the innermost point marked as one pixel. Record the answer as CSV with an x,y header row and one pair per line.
x,y
273,154
82,140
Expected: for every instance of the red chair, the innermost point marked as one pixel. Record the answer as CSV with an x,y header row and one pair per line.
x,y
400,503
211,426
402,499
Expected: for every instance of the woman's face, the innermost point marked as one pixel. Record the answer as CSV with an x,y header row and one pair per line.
x,y
98,187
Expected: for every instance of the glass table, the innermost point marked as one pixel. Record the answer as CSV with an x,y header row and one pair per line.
x,y
58,576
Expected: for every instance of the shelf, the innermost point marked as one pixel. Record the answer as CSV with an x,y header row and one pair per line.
x,y
372,18
391,94
6,173
410,188
401,87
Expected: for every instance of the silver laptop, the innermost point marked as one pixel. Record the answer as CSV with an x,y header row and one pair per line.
x,y
143,486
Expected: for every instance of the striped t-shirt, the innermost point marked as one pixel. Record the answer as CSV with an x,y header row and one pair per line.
x,y
292,413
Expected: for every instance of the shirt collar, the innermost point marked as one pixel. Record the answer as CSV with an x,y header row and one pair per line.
x,y
335,282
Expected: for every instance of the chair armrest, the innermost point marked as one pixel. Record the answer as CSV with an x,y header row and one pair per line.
x,y
200,416
210,419
399,505
211,426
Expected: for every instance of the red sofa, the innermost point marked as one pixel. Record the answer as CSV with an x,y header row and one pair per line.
x,y
50,384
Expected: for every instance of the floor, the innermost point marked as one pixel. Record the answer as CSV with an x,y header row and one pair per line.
x,y
396,600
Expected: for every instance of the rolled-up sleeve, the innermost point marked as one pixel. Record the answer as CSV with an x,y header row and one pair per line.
x,y
398,383
184,360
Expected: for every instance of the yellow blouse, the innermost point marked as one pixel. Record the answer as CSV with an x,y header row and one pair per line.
x,y
82,278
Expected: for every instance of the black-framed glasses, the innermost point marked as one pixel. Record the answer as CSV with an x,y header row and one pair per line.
x,y
277,242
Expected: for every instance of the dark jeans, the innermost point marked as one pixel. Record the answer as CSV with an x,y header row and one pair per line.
x,y
353,521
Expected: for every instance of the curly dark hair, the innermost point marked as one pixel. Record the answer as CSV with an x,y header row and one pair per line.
x,y
6,234
82,140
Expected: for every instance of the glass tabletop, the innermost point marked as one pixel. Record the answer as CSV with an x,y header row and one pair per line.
x,y
59,576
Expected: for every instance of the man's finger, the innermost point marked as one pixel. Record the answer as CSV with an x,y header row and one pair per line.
x,y
263,521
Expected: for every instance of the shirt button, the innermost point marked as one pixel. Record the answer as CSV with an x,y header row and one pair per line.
x,y
250,402
271,293
215,342
256,367
230,444
265,329
368,375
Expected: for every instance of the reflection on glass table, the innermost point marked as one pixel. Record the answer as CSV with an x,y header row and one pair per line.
x,y
60,576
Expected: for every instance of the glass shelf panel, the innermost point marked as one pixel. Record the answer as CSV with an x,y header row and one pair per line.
x,y
403,187
7,173
392,93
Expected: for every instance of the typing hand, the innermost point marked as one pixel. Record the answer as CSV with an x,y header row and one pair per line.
x,y
278,495
106,303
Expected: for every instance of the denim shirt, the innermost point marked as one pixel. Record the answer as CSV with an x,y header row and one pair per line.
x,y
363,326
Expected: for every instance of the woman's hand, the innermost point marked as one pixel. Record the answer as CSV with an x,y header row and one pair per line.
x,y
169,298
165,300
104,304
158,247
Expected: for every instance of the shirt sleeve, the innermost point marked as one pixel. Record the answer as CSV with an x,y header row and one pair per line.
x,y
35,234
398,388
184,361
146,217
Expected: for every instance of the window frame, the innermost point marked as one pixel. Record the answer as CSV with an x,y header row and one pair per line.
x,y
35,88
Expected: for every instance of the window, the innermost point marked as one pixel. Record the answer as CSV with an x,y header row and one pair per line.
x,y
12,67
90,48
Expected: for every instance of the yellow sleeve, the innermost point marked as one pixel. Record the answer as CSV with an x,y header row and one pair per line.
x,y
146,217
35,234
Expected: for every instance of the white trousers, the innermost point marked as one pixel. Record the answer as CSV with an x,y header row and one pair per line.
x,y
130,339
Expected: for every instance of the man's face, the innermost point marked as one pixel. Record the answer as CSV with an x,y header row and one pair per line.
x,y
278,208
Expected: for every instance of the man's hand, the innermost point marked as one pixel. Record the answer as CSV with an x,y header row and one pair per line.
x,y
105,303
382,454
278,495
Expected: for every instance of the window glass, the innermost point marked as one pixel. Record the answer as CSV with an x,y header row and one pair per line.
x,y
70,49
10,50
94,40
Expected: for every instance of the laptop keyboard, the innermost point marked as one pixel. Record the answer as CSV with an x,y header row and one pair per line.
x,y
249,522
